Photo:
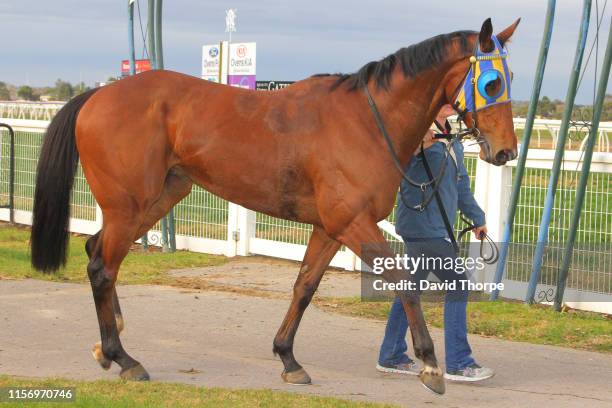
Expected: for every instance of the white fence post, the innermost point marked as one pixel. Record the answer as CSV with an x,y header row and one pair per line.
x,y
246,230
240,230
232,229
351,260
98,216
492,193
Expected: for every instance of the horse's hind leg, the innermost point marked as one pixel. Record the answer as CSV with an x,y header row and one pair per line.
x,y
106,257
97,348
321,249
96,351
176,187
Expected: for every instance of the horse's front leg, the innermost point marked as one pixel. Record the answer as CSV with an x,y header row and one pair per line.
x,y
364,238
321,249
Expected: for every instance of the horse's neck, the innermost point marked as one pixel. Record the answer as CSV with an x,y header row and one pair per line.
x,y
409,108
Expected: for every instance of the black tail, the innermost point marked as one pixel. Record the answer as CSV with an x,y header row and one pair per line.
x,y
57,165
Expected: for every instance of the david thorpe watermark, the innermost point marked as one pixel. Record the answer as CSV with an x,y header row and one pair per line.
x,y
462,284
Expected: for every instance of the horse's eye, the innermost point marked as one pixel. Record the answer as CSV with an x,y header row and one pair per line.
x,y
491,84
492,87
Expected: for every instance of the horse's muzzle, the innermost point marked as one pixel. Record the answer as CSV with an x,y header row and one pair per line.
x,y
504,156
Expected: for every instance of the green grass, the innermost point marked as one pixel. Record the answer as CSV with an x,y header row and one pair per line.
x,y
114,394
504,320
138,267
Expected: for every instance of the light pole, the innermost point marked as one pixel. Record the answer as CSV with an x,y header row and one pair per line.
x,y
131,37
230,27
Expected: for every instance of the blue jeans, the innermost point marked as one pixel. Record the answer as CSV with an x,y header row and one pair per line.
x,y
456,346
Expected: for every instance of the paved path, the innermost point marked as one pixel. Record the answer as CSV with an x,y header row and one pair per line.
x,y
47,329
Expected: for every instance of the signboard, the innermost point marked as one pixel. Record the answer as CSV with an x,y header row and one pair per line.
x,y
211,56
241,64
141,66
272,85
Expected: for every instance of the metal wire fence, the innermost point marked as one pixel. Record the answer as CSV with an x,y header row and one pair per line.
x,y
275,229
591,267
27,150
203,215
5,167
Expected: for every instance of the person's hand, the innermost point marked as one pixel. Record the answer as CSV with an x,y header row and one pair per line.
x,y
480,232
428,140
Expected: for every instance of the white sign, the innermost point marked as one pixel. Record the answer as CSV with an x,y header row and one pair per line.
x,y
211,55
242,63
242,58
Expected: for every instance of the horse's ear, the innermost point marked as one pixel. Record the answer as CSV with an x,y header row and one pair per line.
x,y
505,35
484,38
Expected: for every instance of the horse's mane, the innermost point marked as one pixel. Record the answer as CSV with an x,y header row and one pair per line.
x,y
413,59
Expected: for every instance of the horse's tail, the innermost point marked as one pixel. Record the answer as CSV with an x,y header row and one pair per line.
x,y
57,165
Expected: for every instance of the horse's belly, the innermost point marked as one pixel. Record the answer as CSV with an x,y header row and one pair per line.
x,y
259,185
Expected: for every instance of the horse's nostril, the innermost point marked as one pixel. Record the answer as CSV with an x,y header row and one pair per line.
x,y
504,155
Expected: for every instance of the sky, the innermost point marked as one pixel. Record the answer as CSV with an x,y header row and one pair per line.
x,y
78,40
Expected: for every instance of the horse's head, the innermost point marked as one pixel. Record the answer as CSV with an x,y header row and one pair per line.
x,y
483,98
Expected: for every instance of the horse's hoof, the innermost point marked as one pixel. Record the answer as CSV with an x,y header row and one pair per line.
x,y
297,377
136,373
97,353
433,380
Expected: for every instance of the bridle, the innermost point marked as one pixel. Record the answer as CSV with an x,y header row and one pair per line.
x,y
494,63
472,132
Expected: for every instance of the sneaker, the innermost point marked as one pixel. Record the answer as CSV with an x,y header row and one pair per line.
x,y
410,367
470,374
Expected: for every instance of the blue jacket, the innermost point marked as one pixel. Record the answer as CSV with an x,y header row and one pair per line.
x,y
454,192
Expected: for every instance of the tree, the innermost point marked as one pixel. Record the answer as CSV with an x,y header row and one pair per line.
x,y
26,92
546,108
80,88
5,95
63,90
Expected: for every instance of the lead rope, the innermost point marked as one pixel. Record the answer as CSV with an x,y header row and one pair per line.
x,y
494,251
447,223
488,259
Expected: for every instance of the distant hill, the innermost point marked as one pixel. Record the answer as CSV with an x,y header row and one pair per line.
x,y
553,109
62,91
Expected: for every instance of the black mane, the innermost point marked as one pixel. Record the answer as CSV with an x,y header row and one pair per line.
x,y
413,59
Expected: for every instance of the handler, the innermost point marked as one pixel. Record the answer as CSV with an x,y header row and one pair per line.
x,y
425,234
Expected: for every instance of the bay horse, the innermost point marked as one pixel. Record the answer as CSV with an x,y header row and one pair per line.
x,y
310,153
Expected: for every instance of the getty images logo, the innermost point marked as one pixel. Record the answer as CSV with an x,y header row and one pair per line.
x,y
213,52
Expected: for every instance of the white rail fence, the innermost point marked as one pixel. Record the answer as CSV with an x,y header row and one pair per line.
x,y
206,223
546,132
29,110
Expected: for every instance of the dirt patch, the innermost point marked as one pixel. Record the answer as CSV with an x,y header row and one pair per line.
x,y
264,277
